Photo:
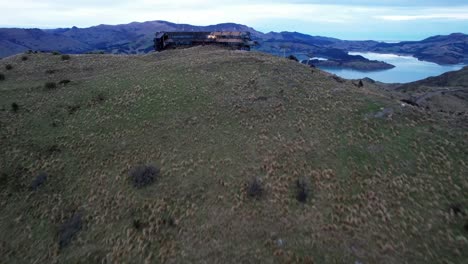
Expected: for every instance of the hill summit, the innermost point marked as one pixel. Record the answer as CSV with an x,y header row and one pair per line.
x,y
212,155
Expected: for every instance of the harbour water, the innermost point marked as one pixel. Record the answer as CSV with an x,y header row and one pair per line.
x,y
407,69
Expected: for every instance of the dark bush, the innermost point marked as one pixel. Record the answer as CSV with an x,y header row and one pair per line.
x,y
64,82
69,229
73,108
50,71
144,175
302,190
137,224
456,209
360,84
50,85
100,98
14,107
2,77
40,179
52,149
466,225
65,57
292,57
8,67
254,188
24,58
56,53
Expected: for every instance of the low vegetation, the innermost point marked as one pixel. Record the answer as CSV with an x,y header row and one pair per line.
x,y
69,229
2,76
8,67
65,57
14,107
254,188
143,175
50,85
64,82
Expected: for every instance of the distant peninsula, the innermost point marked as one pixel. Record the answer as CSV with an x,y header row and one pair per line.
x,y
336,58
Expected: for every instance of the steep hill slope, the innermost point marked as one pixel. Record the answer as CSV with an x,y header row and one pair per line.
x,y
378,182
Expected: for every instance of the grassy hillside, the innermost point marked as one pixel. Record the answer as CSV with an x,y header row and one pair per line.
x,y
379,183
447,93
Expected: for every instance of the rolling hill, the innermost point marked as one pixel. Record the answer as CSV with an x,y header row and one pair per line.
x,y
212,155
137,38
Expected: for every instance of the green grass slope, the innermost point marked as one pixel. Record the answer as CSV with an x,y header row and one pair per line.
x,y
383,186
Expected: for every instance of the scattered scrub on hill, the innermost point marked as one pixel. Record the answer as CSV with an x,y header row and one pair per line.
x,y
50,85
64,82
292,57
95,52
99,98
456,209
137,224
14,107
8,67
302,190
2,77
65,57
38,181
144,175
69,229
56,53
254,188
73,108
24,58
52,149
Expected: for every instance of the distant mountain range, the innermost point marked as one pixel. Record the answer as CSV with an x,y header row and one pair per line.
x,y
136,38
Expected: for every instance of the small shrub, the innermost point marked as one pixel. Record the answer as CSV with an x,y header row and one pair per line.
x,y
2,77
100,98
14,107
73,108
65,57
302,190
137,224
69,229
40,179
456,209
52,149
360,84
56,53
466,225
64,82
29,52
50,85
292,57
254,188
24,58
144,175
8,67
50,71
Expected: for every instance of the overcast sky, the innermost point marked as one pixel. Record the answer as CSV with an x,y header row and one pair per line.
x,y
347,19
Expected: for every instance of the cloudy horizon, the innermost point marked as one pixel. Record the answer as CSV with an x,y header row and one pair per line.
x,y
355,19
